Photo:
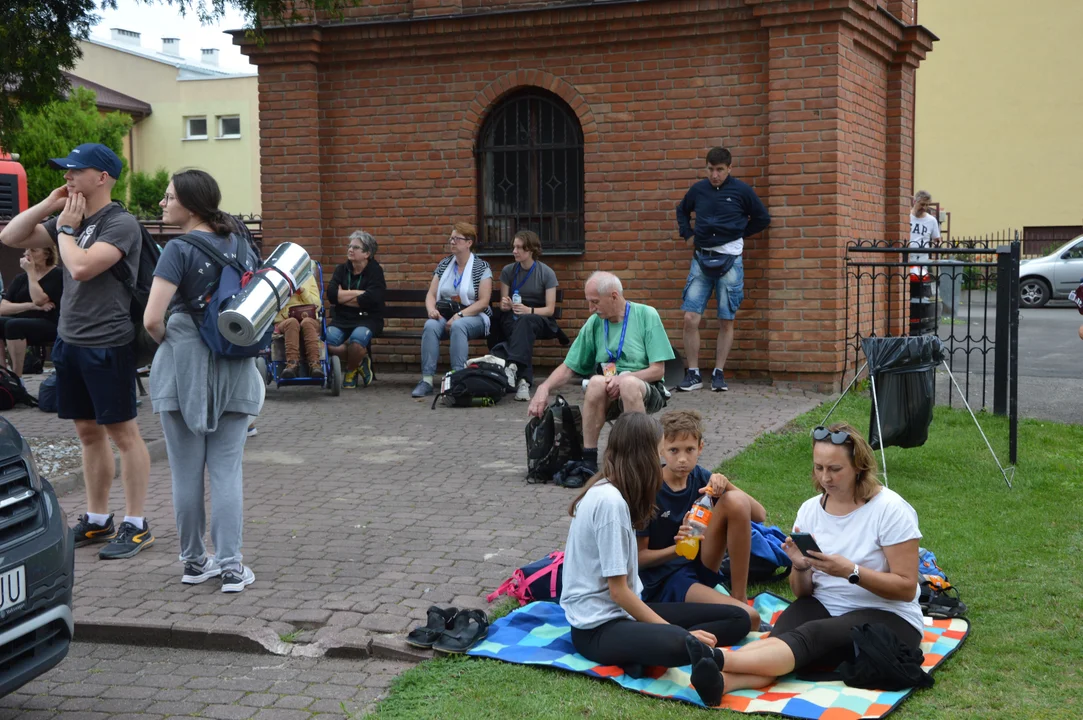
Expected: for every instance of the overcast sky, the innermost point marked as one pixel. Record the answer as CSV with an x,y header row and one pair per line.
x,y
157,20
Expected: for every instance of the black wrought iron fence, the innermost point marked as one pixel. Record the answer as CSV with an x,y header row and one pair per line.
x,y
966,292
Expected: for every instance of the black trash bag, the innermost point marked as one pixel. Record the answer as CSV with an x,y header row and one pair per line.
x,y
903,370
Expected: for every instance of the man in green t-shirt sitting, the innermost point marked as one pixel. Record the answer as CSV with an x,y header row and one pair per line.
x,y
623,349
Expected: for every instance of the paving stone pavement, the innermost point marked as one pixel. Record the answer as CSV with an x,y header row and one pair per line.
x,y
361,511
99,682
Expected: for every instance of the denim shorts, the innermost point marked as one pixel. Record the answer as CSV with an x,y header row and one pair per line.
x,y
94,383
729,289
360,335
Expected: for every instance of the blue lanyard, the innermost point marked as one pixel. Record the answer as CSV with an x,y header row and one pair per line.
x,y
514,287
458,281
623,330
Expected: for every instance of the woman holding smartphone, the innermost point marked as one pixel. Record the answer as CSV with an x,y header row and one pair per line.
x,y
865,572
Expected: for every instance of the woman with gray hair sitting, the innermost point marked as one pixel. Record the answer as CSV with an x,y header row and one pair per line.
x,y
356,292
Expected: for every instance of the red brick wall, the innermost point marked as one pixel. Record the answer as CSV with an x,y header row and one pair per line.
x,y
654,85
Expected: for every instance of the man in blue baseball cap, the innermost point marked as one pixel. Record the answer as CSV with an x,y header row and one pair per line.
x,y
93,354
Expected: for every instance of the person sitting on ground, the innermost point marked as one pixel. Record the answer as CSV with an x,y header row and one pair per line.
x,y
519,324
309,327
622,348
30,308
356,293
867,571
601,590
457,304
668,577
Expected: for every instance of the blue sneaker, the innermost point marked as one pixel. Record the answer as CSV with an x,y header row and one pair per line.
x,y
718,381
692,381
423,388
364,371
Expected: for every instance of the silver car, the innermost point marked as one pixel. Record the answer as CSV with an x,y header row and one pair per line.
x,y
1051,277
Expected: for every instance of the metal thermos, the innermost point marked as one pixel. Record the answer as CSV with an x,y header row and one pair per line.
x,y
247,316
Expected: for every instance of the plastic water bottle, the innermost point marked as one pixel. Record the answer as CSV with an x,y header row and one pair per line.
x,y
698,518
516,299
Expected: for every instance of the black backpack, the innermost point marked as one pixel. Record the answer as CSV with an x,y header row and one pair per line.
x,y
12,392
478,385
138,288
553,439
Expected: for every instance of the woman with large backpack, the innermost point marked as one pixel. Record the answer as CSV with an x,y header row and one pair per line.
x,y
204,399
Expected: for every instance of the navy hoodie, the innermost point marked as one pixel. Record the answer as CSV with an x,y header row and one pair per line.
x,y
723,214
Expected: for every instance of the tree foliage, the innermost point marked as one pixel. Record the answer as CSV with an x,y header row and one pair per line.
x,y
53,130
40,38
147,192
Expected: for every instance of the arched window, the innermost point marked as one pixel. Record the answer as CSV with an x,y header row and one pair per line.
x,y
530,173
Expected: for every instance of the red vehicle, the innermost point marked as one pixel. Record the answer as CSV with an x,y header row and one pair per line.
x,y
13,196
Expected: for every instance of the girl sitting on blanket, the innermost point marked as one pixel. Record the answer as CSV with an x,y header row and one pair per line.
x,y
867,571
601,585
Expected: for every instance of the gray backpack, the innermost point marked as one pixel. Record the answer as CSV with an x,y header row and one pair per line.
x,y
552,440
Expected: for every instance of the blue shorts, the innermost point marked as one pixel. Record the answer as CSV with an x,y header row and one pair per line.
x,y
360,335
729,289
675,587
94,383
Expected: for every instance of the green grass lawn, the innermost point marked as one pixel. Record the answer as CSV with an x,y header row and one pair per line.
x,y
1016,556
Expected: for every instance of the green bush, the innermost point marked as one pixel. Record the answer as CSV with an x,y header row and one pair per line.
x,y
147,192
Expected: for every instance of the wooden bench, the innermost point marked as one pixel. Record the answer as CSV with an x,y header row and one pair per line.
x,y
410,304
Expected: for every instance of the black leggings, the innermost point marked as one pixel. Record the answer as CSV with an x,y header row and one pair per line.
x,y
36,331
629,642
818,639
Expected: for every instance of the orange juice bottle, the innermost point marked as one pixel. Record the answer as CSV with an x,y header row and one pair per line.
x,y
698,518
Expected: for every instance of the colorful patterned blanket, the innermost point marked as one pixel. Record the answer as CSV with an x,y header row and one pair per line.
x,y
538,634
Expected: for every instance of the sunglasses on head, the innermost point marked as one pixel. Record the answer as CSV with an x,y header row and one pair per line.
x,y
841,437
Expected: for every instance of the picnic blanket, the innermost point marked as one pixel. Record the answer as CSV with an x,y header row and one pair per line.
x,y
538,634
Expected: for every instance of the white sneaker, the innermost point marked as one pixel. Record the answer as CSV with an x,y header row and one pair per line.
x,y
195,574
522,392
511,371
235,581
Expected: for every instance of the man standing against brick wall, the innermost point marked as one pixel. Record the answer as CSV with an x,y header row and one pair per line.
x,y
727,211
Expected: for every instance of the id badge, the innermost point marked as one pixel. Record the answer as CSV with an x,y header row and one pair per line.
x,y
609,369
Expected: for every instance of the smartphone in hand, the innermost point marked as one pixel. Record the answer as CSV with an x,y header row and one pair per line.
x,y
805,542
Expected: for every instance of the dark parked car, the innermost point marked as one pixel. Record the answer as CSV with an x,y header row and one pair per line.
x,y
37,568
1051,277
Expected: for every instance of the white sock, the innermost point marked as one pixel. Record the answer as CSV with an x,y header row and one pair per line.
x,y
718,370
97,518
695,370
137,521
427,378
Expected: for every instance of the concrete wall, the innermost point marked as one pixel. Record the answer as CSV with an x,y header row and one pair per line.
x,y
999,107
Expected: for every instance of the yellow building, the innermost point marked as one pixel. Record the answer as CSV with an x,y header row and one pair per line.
x,y
999,107
201,116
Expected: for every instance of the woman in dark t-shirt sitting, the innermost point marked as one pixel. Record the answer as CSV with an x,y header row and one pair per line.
x,y
31,306
356,292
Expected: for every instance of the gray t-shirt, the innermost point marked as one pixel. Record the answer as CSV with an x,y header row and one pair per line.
x,y
97,312
194,273
541,278
601,544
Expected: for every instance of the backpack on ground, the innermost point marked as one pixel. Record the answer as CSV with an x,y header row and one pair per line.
x,y
938,597
12,391
233,279
47,395
767,561
479,384
33,364
144,346
540,580
553,440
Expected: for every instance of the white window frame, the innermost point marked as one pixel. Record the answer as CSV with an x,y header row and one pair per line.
x,y
222,135
188,127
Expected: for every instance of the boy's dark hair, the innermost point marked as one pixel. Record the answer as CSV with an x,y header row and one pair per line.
x,y
719,156
676,423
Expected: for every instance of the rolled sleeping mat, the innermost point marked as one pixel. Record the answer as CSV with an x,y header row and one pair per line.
x,y
249,314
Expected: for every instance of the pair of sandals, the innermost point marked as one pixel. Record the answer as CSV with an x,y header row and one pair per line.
x,y
450,630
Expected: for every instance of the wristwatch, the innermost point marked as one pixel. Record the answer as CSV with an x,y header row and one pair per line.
x,y
460,314
67,230
855,575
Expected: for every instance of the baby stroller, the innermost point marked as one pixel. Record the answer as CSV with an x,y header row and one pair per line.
x,y
271,362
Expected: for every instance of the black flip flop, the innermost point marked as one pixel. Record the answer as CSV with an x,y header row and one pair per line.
x,y
439,621
468,627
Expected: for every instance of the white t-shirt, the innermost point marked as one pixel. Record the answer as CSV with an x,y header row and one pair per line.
x,y
601,544
860,536
923,230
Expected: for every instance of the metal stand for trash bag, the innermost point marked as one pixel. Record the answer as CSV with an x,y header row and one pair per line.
x,y
1007,473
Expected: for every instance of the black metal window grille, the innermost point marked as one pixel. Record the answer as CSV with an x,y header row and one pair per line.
x,y
530,173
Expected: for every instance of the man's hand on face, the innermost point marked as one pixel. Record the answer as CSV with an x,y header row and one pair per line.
x,y
57,199
72,214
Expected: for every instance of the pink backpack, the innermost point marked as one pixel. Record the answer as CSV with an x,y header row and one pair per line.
x,y
540,580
